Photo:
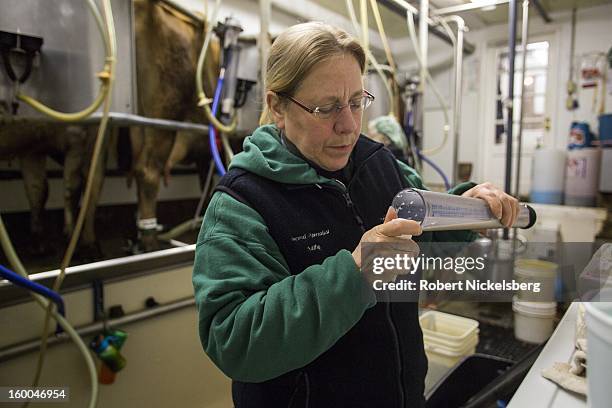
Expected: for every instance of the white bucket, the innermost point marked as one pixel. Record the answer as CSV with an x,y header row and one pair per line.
x,y
536,271
548,176
582,176
448,338
533,321
599,354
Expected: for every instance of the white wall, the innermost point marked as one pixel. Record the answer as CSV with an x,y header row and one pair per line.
x,y
166,365
593,33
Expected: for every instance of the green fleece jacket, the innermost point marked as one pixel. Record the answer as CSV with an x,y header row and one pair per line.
x,y
256,320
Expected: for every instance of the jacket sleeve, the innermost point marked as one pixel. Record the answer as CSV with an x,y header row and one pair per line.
x,y
414,180
256,320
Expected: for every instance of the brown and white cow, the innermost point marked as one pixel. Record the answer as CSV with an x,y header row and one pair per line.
x,y
167,49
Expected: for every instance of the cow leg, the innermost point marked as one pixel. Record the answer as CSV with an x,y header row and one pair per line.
x,y
179,151
73,181
148,170
76,169
33,168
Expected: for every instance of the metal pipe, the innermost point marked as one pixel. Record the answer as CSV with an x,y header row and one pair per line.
x,y
7,353
108,270
541,11
458,92
265,10
117,119
27,284
423,41
468,6
524,35
400,7
510,100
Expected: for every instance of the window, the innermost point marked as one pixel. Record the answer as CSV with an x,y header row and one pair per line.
x,y
534,115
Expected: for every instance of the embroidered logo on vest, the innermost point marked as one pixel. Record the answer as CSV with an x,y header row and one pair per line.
x,y
310,235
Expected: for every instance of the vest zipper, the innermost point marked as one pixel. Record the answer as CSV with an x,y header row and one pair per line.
x,y
349,203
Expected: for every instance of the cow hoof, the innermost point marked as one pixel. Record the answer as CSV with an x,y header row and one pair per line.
x,y
145,243
149,242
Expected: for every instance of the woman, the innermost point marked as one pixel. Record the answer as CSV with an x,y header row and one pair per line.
x,y
284,309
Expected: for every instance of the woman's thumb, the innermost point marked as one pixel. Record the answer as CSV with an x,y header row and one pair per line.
x,y
391,215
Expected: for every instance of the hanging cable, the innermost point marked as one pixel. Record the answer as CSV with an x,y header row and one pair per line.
x,y
363,8
370,57
389,55
110,70
412,32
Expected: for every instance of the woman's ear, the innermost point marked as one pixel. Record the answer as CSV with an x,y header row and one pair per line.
x,y
276,108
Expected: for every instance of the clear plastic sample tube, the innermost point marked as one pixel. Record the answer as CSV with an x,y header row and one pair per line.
x,y
443,212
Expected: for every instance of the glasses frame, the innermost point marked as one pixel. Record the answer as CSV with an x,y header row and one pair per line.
x,y
315,111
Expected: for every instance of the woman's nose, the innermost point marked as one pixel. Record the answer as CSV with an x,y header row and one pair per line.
x,y
346,122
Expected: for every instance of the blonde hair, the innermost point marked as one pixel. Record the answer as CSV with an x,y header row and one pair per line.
x,y
297,50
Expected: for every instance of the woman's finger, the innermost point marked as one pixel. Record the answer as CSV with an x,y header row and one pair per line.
x,y
507,212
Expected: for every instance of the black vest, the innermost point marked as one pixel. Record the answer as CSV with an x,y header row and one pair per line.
x,y
379,362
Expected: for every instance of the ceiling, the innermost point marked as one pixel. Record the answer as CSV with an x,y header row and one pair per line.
x,y
395,24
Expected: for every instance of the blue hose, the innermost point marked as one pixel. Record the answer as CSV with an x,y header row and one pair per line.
x,y
35,287
409,131
212,134
435,167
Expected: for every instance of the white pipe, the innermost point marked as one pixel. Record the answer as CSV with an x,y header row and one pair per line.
x,y
423,37
409,7
468,6
265,10
524,38
457,92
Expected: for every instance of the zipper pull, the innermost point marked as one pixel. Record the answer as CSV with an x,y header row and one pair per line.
x,y
349,204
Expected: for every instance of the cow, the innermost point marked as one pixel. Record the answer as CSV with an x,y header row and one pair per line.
x,y
30,143
167,49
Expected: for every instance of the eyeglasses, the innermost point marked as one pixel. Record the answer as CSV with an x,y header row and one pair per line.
x,y
332,110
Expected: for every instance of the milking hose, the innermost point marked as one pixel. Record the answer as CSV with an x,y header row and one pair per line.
x,y
203,100
16,264
369,55
108,77
212,135
417,49
104,76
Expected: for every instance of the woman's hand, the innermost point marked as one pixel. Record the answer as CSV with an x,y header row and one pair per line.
x,y
502,205
397,234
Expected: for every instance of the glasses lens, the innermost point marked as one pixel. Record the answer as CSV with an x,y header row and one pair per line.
x,y
325,112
